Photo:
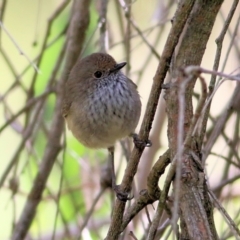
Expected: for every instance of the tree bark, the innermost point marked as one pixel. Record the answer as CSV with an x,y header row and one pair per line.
x,y
194,203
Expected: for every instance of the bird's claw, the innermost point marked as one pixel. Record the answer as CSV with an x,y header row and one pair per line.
x,y
140,143
122,196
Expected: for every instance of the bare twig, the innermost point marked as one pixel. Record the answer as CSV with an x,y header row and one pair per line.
x,y
18,47
103,26
229,221
90,212
151,194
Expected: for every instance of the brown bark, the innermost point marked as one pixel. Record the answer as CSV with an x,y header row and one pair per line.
x,y
195,206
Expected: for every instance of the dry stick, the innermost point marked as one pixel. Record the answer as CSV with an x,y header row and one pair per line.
x,y
233,143
64,219
18,47
76,38
162,201
32,125
212,72
147,61
229,221
33,154
67,228
227,233
47,34
235,34
3,7
214,135
103,26
148,215
50,83
61,34
90,212
16,126
162,229
154,52
231,153
128,13
198,113
146,30
25,137
131,234
151,194
18,76
42,51
181,16
139,32
227,159
225,183
156,172
14,72
235,43
28,105
219,42
211,94
64,147
120,21
127,8
59,191
180,147
160,115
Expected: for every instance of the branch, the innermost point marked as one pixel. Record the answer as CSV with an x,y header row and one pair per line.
x,y
149,195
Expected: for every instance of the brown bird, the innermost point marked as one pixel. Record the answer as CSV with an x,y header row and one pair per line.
x,y
101,105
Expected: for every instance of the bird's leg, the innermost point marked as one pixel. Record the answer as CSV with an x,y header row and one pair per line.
x,y
122,196
140,143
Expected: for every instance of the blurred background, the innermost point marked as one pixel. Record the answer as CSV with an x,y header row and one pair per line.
x,y
32,37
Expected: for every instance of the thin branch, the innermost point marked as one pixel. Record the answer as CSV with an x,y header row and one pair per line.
x,y
151,194
229,221
90,212
18,47
28,105
3,8
103,26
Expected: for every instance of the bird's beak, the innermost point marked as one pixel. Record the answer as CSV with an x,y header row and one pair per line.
x,y
117,67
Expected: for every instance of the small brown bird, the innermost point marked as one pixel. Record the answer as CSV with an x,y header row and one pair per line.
x,y
101,105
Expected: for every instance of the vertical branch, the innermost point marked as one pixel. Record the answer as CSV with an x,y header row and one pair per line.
x,y
128,35
3,8
103,26
44,45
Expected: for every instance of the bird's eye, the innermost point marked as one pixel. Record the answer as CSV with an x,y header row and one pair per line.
x,y
97,74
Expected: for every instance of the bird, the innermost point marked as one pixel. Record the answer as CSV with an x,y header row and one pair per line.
x,y
101,105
